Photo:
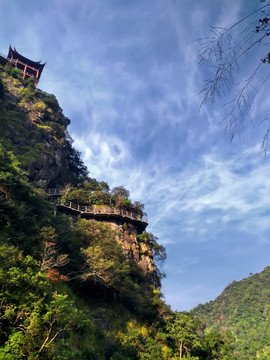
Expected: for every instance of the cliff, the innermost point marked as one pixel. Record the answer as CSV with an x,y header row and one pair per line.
x,y
33,127
137,250
78,271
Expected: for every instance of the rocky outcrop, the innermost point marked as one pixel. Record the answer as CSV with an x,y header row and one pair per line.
x,y
33,126
136,250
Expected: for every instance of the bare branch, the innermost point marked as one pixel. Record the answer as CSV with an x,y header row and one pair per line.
x,y
222,53
50,259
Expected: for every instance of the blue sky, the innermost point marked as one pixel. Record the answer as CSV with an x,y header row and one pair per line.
x,y
125,73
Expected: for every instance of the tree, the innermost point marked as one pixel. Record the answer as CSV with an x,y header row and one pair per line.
x,y
105,261
138,343
120,191
159,251
50,257
225,54
139,208
92,184
185,330
32,316
120,198
216,345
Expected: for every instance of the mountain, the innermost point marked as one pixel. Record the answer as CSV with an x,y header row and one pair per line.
x,y
244,309
79,276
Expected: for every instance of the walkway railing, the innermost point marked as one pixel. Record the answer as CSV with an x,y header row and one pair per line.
x,y
95,210
55,192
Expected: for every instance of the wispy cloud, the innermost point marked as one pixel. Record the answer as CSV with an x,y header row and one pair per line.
x,y
202,196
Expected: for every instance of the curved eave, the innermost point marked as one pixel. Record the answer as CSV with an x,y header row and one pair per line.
x,y
13,53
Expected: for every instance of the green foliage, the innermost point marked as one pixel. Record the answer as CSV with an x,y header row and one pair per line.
x,y
137,342
33,316
78,171
215,345
31,82
180,336
100,198
2,92
51,102
12,71
139,208
78,196
189,340
104,257
91,184
21,210
93,192
87,197
27,93
243,308
37,117
184,330
120,191
159,251
120,198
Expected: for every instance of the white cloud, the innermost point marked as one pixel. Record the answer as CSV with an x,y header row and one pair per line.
x,y
202,196
102,153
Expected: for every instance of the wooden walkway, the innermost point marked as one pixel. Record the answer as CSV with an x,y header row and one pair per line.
x,y
98,212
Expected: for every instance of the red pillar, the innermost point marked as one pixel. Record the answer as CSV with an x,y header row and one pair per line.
x,y
24,71
37,73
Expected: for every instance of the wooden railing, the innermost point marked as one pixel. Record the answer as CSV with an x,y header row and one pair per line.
x,y
95,211
54,192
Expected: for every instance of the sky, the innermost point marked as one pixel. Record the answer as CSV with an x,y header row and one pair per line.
x,y
126,74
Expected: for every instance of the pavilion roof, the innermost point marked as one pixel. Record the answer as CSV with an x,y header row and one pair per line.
x,y
13,54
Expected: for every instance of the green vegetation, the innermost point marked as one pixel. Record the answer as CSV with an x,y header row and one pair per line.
x,y
244,309
93,192
33,127
191,341
69,289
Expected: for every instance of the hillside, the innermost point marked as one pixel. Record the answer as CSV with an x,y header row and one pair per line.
x,y
33,127
244,309
79,276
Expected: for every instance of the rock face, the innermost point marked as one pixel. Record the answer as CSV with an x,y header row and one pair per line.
x,y
136,250
34,128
